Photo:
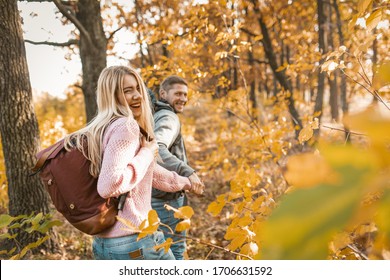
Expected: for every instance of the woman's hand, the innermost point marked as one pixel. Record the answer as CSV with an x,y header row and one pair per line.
x,y
152,145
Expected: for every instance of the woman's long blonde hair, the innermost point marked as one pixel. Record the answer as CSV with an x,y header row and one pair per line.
x,y
109,94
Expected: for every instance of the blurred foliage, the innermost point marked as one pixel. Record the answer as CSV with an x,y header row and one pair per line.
x,y
30,224
59,116
336,181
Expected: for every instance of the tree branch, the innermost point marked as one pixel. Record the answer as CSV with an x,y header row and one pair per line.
x,y
113,33
64,44
198,240
340,129
74,20
247,31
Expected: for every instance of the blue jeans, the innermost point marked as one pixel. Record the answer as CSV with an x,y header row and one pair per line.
x,y
128,248
166,217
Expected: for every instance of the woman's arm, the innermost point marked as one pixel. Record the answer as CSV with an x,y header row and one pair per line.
x,y
169,181
125,162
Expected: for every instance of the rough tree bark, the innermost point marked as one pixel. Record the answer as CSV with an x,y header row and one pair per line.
x,y
18,125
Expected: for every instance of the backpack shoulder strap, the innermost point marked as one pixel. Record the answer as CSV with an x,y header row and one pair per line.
x,y
42,159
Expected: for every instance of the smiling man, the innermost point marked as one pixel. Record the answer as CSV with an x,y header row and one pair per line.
x,y
173,97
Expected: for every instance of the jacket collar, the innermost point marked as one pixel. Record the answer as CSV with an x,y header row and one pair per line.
x,y
163,104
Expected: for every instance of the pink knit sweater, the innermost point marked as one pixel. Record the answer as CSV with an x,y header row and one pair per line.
x,y
127,166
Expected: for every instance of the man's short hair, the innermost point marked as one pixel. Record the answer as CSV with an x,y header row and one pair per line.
x,y
168,82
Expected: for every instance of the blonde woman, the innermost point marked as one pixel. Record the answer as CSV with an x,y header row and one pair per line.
x,y
124,161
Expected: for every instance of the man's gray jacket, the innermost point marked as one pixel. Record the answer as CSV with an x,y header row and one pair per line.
x,y
172,150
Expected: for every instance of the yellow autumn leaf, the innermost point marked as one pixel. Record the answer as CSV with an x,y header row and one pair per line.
x,y
282,67
373,20
237,242
363,5
257,203
341,240
244,221
232,232
150,225
315,124
352,23
382,76
183,225
166,245
305,134
216,207
250,249
153,217
148,230
329,66
143,225
185,212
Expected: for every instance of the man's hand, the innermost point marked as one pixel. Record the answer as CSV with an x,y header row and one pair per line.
x,y
197,185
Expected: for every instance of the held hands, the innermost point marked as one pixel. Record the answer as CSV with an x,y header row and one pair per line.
x,y
197,185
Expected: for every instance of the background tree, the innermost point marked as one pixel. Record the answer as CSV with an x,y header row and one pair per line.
x,y
91,40
18,125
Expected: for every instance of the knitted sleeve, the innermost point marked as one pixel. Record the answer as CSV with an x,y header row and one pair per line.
x,y
125,162
169,181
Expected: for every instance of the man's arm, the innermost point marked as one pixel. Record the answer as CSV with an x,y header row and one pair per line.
x,y
167,128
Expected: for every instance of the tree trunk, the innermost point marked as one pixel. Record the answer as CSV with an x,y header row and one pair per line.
x,y
252,91
139,36
279,75
332,80
92,52
343,79
18,125
333,98
322,46
374,58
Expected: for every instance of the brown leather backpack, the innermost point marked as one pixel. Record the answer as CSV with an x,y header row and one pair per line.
x,y
73,189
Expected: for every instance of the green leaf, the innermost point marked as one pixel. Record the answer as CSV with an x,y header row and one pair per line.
x,y
15,225
48,225
29,247
5,220
36,220
7,236
303,224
